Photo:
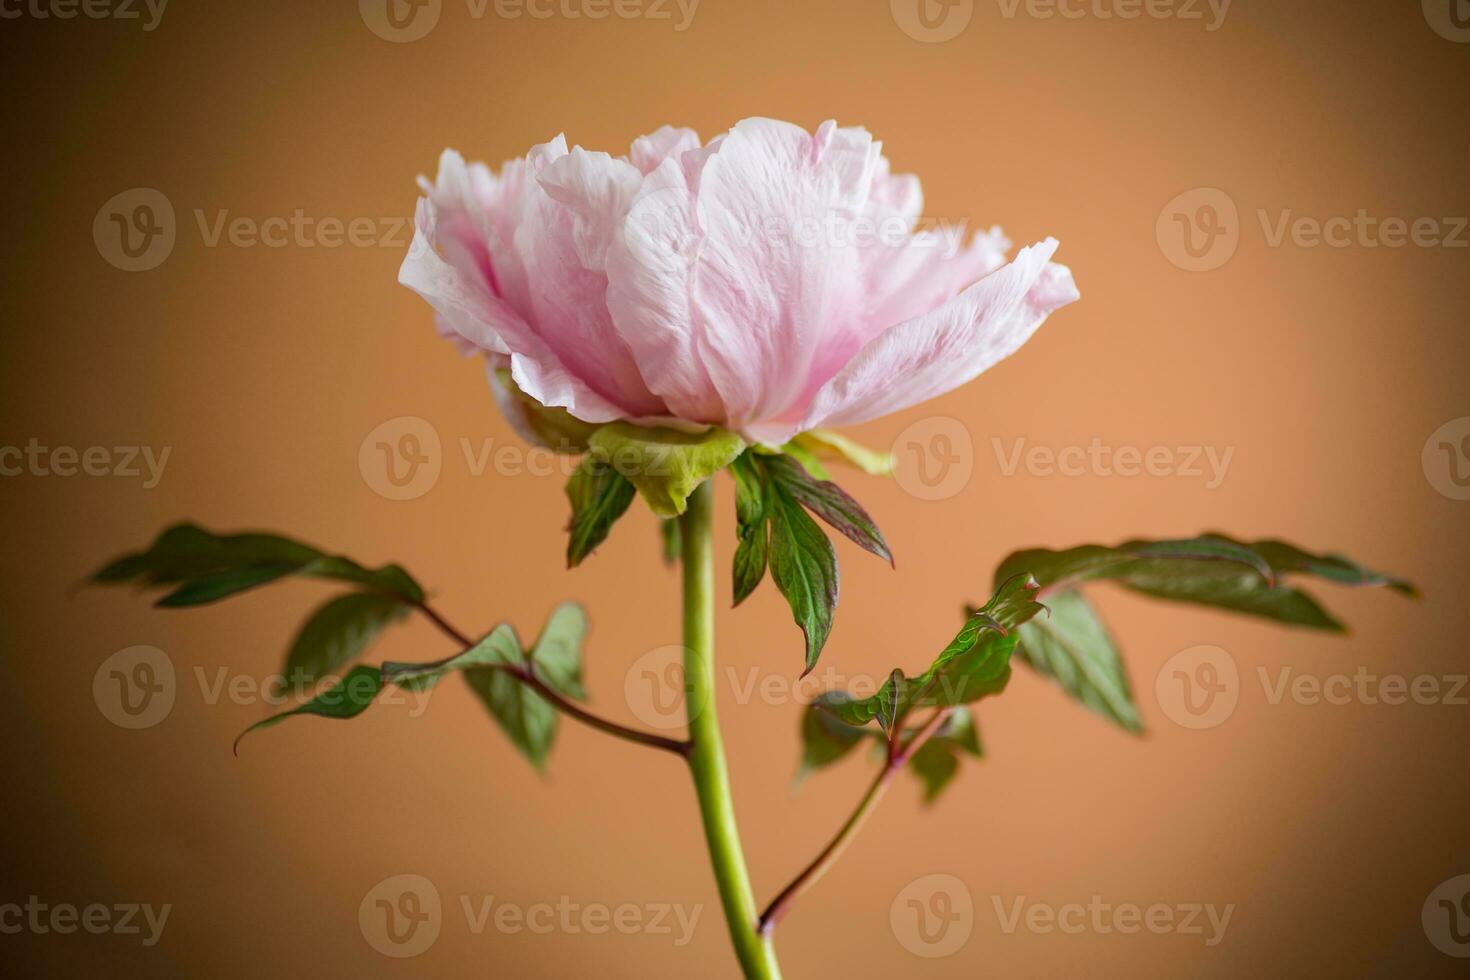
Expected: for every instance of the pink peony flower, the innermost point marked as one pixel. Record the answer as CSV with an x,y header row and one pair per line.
x,y
768,282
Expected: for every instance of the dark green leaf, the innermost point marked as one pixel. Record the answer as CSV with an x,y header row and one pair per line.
x,y
976,664
825,739
599,496
344,700
338,633
938,760
1212,570
829,502
557,655
208,567
804,568
1072,646
500,647
751,526
672,538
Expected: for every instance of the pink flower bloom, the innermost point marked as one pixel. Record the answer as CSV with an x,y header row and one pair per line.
x,y
768,282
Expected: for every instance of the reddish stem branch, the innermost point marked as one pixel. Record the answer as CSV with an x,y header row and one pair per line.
x,y
527,676
898,756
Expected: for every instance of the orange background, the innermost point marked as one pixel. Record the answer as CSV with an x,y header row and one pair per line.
x,y
1325,369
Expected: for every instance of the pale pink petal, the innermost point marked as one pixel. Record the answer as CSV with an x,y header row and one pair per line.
x,y
650,276
648,152
776,271
569,303
941,350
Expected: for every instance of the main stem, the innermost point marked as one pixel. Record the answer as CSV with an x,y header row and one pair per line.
x,y
707,753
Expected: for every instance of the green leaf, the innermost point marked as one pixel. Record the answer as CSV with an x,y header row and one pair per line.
x,y
495,669
826,444
938,760
975,665
207,567
337,634
599,497
1072,646
825,739
347,699
665,465
751,526
804,568
500,647
672,539
829,502
557,655
1211,570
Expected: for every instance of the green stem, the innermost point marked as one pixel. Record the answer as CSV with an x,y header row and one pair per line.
x,y
707,755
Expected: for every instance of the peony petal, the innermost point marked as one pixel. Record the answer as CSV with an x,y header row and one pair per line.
x,y
939,351
571,331
649,152
777,271
650,275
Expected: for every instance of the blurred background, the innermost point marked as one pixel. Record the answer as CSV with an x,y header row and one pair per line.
x,y
249,348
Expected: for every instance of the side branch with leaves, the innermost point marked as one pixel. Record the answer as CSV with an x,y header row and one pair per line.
x,y
926,723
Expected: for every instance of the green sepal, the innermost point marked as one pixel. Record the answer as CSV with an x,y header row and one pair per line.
x,y
666,465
